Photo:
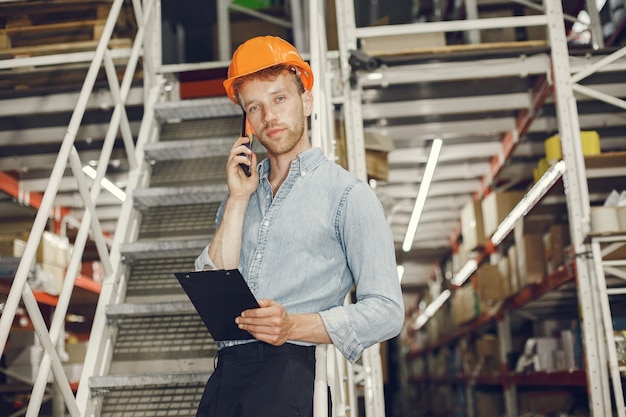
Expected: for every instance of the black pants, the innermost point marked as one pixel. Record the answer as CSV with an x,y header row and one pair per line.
x,y
260,380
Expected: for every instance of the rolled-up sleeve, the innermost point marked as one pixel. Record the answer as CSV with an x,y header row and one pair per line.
x,y
203,261
378,313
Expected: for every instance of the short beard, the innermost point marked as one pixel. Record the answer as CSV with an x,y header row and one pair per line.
x,y
295,133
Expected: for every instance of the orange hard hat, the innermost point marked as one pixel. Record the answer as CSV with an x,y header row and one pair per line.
x,y
263,52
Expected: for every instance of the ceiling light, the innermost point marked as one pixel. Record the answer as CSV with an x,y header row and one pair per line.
x,y
465,272
529,201
421,195
106,184
431,309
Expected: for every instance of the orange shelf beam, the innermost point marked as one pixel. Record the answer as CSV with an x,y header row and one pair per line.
x,y
541,91
11,186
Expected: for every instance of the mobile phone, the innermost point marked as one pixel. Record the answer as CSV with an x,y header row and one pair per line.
x,y
244,133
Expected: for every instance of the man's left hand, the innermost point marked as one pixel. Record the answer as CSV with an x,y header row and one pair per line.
x,y
269,323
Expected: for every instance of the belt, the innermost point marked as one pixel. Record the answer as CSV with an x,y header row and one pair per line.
x,y
261,351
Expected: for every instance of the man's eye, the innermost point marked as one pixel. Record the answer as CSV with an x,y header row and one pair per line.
x,y
280,99
253,109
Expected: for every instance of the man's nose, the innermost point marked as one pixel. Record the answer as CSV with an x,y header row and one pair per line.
x,y
268,115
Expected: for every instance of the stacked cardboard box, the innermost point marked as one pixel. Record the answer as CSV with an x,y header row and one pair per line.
x,y
52,257
496,206
487,353
555,240
493,286
472,228
464,306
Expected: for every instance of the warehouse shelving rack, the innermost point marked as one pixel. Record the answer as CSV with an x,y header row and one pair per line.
x,y
147,343
572,170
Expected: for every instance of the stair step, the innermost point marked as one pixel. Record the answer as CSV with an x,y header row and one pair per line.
x,y
153,278
188,149
188,172
115,312
155,332
179,222
150,379
206,108
175,131
148,396
163,249
176,394
178,196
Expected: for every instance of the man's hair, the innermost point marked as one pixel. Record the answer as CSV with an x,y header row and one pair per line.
x,y
271,73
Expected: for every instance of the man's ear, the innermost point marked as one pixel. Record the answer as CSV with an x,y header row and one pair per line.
x,y
307,101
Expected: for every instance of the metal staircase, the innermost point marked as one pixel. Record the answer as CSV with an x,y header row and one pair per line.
x,y
162,354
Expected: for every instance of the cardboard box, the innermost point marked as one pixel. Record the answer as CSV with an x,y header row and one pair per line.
x,y
399,44
377,148
52,250
496,206
53,277
555,241
6,246
464,306
545,402
76,352
472,227
530,258
504,34
487,345
535,33
377,165
492,286
489,404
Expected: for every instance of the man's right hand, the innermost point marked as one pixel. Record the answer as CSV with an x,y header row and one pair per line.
x,y
240,185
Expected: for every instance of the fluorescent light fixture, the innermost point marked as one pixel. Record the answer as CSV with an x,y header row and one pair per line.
x,y
106,184
431,309
421,195
465,272
400,269
529,201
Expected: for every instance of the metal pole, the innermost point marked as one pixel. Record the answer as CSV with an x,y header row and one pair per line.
x,y
577,195
223,30
320,392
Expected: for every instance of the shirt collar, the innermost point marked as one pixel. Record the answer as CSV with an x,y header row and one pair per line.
x,y
304,163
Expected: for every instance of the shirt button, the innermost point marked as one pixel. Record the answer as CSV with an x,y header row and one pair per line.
x,y
258,256
266,223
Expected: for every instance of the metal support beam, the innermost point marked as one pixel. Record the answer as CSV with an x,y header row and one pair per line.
x,y
577,195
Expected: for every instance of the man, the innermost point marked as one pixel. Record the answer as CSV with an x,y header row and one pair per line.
x,y
303,231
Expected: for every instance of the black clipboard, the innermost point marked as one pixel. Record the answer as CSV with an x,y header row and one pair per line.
x,y
219,296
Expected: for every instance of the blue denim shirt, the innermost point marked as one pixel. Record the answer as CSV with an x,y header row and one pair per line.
x,y
323,232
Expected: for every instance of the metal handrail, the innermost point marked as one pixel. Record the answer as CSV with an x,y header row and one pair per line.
x,y
19,289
